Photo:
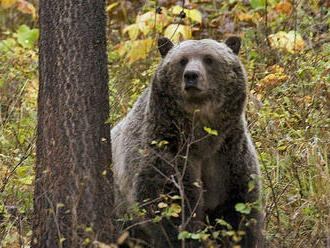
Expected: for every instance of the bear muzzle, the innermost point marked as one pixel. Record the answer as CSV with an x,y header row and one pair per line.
x,y
192,80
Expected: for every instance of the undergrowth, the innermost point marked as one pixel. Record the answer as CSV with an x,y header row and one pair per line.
x,y
288,108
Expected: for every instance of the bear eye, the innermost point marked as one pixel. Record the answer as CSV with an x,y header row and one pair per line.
x,y
183,61
208,61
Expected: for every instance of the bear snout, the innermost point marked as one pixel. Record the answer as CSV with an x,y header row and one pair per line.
x,y
191,79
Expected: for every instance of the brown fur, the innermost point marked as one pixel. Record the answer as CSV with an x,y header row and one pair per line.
x,y
198,84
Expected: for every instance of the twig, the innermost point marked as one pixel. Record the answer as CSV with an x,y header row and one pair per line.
x,y
26,155
273,194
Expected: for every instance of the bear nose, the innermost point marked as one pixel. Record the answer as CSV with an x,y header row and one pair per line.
x,y
191,79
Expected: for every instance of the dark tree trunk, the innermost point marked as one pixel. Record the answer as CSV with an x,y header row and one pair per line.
x,y
73,192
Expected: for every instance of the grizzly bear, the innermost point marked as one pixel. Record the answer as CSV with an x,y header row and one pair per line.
x,y
185,142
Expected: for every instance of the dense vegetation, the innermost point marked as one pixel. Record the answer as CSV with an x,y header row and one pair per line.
x,y
286,54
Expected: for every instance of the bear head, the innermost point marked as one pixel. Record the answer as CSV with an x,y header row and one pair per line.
x,y
203,74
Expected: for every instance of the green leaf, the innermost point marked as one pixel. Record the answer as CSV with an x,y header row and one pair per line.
x,y
216,234
184,235
24,180
22,171
251,186
282,148
243,208
7,45
211,131
157,219
176,208
195,236
26,36
60,205
257,3
224,223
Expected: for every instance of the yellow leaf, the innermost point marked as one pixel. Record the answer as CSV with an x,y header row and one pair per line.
x,y
211,131
177,31
5,4
176,208
276,69
291,41
284,7
296,42
245,16
135,50
192,14
133,31
195,15
162,205
146,22
146,17
276,78
176,9
111,6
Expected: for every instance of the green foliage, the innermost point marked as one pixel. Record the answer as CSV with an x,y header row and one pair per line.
x,y
211,131
26,36
18,96
257,3
243,208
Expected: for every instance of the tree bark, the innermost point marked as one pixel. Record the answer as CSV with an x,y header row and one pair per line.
x,y
73,187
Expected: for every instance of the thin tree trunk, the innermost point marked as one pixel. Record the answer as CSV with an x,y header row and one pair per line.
x,y
73,192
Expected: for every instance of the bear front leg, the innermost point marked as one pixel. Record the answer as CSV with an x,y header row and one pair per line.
x,y
158,183
152,184
233,169
249,194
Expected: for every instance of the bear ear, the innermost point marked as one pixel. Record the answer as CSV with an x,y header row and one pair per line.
x,y
234,43
164,45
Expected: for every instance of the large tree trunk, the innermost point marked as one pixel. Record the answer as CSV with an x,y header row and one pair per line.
x,y
73,193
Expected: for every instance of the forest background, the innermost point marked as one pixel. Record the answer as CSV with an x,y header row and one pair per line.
x,y
286,54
